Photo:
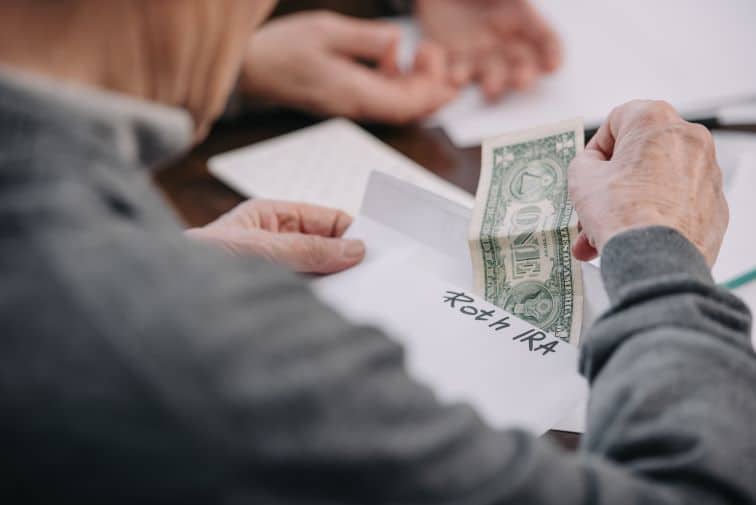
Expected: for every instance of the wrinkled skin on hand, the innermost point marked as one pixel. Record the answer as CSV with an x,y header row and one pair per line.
x,y
301,237
646,166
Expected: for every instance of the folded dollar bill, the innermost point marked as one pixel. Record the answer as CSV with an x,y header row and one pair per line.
x,y
523,227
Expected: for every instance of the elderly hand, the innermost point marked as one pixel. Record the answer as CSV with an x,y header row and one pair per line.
x,y
316,61
645,167
503,44
302,237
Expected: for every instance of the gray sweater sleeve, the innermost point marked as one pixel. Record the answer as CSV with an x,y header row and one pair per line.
x,y
673,378
137,367
198,377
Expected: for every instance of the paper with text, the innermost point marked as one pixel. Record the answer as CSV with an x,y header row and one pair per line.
x,y
416,237
327,164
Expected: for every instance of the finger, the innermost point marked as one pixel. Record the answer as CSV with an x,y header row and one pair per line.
x,y
590,154
582,249
637,114
523,62
550,50
313,254
290,217
295,217
430,59
460,71
495,76
323,221
410,97
581,174
389,62
362,39
579,180
601,145
534,27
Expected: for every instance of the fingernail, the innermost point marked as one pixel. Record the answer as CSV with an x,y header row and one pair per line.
x,y
354,249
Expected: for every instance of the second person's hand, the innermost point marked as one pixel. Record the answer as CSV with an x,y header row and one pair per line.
x,y
331,64
501,44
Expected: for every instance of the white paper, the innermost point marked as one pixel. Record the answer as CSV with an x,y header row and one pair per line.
x,y
327,164
738,114
461,358
736,153
697,55
418,241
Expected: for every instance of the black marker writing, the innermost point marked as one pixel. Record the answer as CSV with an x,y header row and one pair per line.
x,y
532,336
536,340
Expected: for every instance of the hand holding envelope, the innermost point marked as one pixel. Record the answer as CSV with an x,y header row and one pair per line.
x,y
416,281
416,241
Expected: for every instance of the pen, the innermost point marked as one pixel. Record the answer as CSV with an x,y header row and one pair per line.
x,y
741,280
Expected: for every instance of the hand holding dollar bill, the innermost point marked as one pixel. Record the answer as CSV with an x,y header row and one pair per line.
x,y
523,226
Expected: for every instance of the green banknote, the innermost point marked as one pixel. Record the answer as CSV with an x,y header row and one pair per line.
x,y
524,225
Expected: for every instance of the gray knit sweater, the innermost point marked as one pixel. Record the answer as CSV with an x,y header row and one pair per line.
x,y
137,368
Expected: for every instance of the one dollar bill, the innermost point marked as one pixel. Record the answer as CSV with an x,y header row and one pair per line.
x,y
524,225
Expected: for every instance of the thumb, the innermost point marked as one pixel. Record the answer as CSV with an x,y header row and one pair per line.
x,y
582,170
315,254
371,40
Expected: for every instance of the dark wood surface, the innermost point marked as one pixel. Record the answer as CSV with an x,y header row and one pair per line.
x,y
199,198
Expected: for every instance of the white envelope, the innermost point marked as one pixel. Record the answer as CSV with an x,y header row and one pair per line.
x,y
736,154
417,260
